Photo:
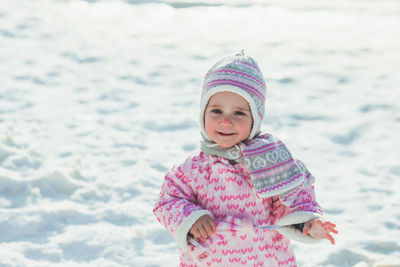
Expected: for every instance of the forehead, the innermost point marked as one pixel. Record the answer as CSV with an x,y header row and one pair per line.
x,y
222,98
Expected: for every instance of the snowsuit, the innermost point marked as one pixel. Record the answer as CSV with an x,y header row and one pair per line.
x,y
211,185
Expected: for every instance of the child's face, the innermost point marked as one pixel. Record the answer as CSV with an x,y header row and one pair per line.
x,y
227,119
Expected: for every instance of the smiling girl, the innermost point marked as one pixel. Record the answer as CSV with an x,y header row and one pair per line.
x,y
240,198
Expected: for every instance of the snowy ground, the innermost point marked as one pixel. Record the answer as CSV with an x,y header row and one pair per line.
x,y
99,98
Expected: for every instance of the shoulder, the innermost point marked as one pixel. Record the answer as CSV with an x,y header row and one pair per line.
x,y
270,137
197,157
195,160
261,141
264,137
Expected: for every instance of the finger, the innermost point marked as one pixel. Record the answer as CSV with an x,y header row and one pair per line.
x,y
195,233
330,238
191,231
202,231
306,229
330,224
207,229
332,230
213,226
210,229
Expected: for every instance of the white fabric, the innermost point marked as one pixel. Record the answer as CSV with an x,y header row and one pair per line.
x,y
287,226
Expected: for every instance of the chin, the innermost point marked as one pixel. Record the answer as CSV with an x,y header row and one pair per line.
x,y
226,145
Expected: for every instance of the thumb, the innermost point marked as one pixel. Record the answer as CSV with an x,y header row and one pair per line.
x,y
306,228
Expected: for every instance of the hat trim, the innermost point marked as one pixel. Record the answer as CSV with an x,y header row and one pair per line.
x,y
241,85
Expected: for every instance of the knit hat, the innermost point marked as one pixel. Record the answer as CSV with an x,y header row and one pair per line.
x,y
238,74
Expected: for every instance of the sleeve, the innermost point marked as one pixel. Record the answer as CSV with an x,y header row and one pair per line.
x,y
303,208
176,208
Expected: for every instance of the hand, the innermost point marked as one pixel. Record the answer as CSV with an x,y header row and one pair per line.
x,y
317,228
204,227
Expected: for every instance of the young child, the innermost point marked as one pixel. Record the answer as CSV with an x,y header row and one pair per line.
x,y
239,200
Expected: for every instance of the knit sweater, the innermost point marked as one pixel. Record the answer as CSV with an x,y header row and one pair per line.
x,y
210,185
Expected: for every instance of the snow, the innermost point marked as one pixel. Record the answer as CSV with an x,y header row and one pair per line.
x,y
99,98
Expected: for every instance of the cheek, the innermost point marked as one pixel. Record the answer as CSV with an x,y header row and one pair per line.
x,y
246,125
208,123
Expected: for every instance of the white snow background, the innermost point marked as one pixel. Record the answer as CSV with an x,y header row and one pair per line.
x,y
99,98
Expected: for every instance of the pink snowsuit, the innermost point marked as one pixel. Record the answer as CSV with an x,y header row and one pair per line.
x,y
211,185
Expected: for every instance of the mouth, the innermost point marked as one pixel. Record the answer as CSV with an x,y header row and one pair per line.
x,y
225,134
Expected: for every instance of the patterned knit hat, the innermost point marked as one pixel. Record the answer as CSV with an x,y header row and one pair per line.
x,y
238,74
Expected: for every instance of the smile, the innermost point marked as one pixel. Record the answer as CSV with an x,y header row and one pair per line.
x,y
225,134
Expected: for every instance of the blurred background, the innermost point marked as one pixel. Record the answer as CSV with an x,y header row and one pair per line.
x,y
98,99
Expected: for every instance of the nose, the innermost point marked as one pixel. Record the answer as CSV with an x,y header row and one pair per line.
x,y
226,121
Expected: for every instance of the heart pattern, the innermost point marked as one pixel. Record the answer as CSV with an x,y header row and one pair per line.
x,y
272,156
234,153
259,163
284,154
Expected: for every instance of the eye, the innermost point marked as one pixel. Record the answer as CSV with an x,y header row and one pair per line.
x,y
240,113
216,111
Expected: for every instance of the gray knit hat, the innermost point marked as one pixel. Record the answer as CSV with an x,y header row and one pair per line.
x,y
238,74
